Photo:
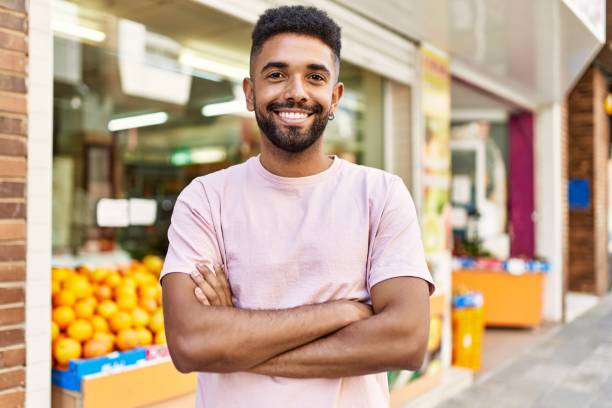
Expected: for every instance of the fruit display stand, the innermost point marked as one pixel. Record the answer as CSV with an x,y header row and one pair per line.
x,y
429,378
145,383
512,297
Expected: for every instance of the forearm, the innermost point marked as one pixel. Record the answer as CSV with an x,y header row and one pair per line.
x,y
368,346
224,339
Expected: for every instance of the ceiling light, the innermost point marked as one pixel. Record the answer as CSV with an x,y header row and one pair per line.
x,y
236,106
75,30
137,121
204,64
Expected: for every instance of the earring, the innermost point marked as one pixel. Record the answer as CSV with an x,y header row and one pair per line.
x,y
331,116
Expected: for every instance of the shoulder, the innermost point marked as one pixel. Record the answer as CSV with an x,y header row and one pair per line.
x,y
213,183
378,183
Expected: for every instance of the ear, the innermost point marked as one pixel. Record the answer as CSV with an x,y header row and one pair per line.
x,y
247,87
337,93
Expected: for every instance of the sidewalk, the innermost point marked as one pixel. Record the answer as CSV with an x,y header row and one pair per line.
x,y
571,368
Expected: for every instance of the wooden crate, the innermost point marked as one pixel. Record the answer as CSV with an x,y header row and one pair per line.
x,y
155,384
509,300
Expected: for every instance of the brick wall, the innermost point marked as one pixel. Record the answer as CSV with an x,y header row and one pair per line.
x,y
13,152
588,156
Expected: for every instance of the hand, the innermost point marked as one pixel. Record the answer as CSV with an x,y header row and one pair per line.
x,y
357,310
212,288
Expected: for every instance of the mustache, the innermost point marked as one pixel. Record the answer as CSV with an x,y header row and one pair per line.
x,y
314,108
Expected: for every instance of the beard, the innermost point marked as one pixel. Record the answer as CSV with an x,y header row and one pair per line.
x,y
295,139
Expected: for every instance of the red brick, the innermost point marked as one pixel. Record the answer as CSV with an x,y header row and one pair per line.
x,y
13,21
12,167
11,295
13,125
12,230
17,5
13,41
13,61
12,252
12,398
12,315
12,189
12,378
12,210
12,146
13,103
12,357
12,83
11,337
12,272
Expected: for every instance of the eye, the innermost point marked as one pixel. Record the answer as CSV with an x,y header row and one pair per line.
x,y
317,77
275,75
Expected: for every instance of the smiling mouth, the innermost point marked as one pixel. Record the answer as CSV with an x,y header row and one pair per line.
x,y
292,118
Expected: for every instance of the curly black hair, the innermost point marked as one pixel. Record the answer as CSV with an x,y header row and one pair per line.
x,y
296,19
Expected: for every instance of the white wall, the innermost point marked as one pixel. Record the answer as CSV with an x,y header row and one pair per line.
x,y
548,204
38,258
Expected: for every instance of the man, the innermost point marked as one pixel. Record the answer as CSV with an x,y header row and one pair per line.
x,y
301,245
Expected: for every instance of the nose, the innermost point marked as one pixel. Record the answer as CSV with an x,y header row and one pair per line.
x,y
295,91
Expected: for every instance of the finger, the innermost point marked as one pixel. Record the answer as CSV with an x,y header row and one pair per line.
x,y
208,291
215,283
201,297
220,272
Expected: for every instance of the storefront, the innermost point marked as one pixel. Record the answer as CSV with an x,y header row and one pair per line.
x,y
145,101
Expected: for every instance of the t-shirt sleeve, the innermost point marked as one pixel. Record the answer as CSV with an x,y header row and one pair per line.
x,y
191,235
396,249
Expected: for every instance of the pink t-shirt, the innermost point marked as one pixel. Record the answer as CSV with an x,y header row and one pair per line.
x,y
287,242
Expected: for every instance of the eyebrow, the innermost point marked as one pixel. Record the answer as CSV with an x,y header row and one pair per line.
x,y
284,65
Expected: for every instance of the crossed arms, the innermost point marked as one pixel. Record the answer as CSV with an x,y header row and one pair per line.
x,y
328,340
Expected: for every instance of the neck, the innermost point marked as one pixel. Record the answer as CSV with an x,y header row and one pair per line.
x,y
281,163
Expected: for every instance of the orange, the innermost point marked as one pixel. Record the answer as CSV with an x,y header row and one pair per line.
x,y
148,291
123,290
120,321
79,286
66,349
91,300
63,316
100,274
130,281
94,348
127,302
153,263
113,280
55,331
55,287
107,338
99,324
107,309
84,309
64,298
160,337
148,304
103,292
157,321
126,339
144,336
80,330
60,274
140,317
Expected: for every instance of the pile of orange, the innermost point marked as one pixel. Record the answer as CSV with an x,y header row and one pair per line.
x,y
102,309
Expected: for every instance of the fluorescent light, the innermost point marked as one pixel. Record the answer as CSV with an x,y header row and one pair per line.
x,y
204,64
224,108
75,30
137,121
208,155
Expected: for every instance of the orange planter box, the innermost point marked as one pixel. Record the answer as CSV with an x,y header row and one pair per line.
x,y
509,300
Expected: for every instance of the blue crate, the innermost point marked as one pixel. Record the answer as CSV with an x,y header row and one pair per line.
x,y
71,379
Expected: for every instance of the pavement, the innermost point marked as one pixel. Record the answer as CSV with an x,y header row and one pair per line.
x,y
571,368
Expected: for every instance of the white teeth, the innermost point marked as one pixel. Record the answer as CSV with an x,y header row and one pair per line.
x,y
293,115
